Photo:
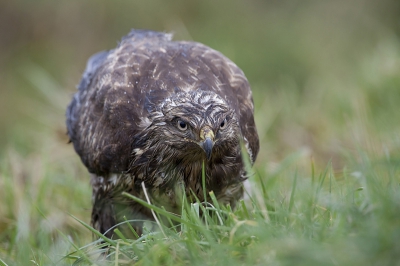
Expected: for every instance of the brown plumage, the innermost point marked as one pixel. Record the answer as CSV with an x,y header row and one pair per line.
x,y
152,110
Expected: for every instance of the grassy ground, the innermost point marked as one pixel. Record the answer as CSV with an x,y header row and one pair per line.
x,y
325,189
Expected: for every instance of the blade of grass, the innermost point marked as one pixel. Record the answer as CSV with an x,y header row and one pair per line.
x,y
169,220
173,217
131,228
203,178
244,208
116,253
217,207
94,231
2,263
64,236
291,201
120,235
152,211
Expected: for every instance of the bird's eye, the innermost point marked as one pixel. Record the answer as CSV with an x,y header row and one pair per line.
x,y
223,124
181,125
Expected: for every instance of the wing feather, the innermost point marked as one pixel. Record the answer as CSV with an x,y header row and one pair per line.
x,y
94,62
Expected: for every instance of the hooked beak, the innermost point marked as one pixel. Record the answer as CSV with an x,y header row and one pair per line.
x,y
207,137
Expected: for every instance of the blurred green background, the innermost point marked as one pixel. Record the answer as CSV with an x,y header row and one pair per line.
x,y
324,74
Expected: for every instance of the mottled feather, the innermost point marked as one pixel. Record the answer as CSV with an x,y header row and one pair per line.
x,y
125,122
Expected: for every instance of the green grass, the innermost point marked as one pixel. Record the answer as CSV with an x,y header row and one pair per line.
x,y
290,216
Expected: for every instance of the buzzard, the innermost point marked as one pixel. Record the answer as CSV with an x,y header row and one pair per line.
x,y
148,114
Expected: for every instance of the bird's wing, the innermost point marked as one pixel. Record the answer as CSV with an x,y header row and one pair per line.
x,y
107,111
94,62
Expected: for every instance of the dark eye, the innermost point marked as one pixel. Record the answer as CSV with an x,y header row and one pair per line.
x,y
181,125
223,124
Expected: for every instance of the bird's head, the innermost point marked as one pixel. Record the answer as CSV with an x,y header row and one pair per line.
x,y
197,125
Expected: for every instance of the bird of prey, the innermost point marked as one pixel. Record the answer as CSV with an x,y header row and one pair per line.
x,y
148,114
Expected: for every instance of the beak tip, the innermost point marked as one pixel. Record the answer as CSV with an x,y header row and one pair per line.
x,y
208,154
207,146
